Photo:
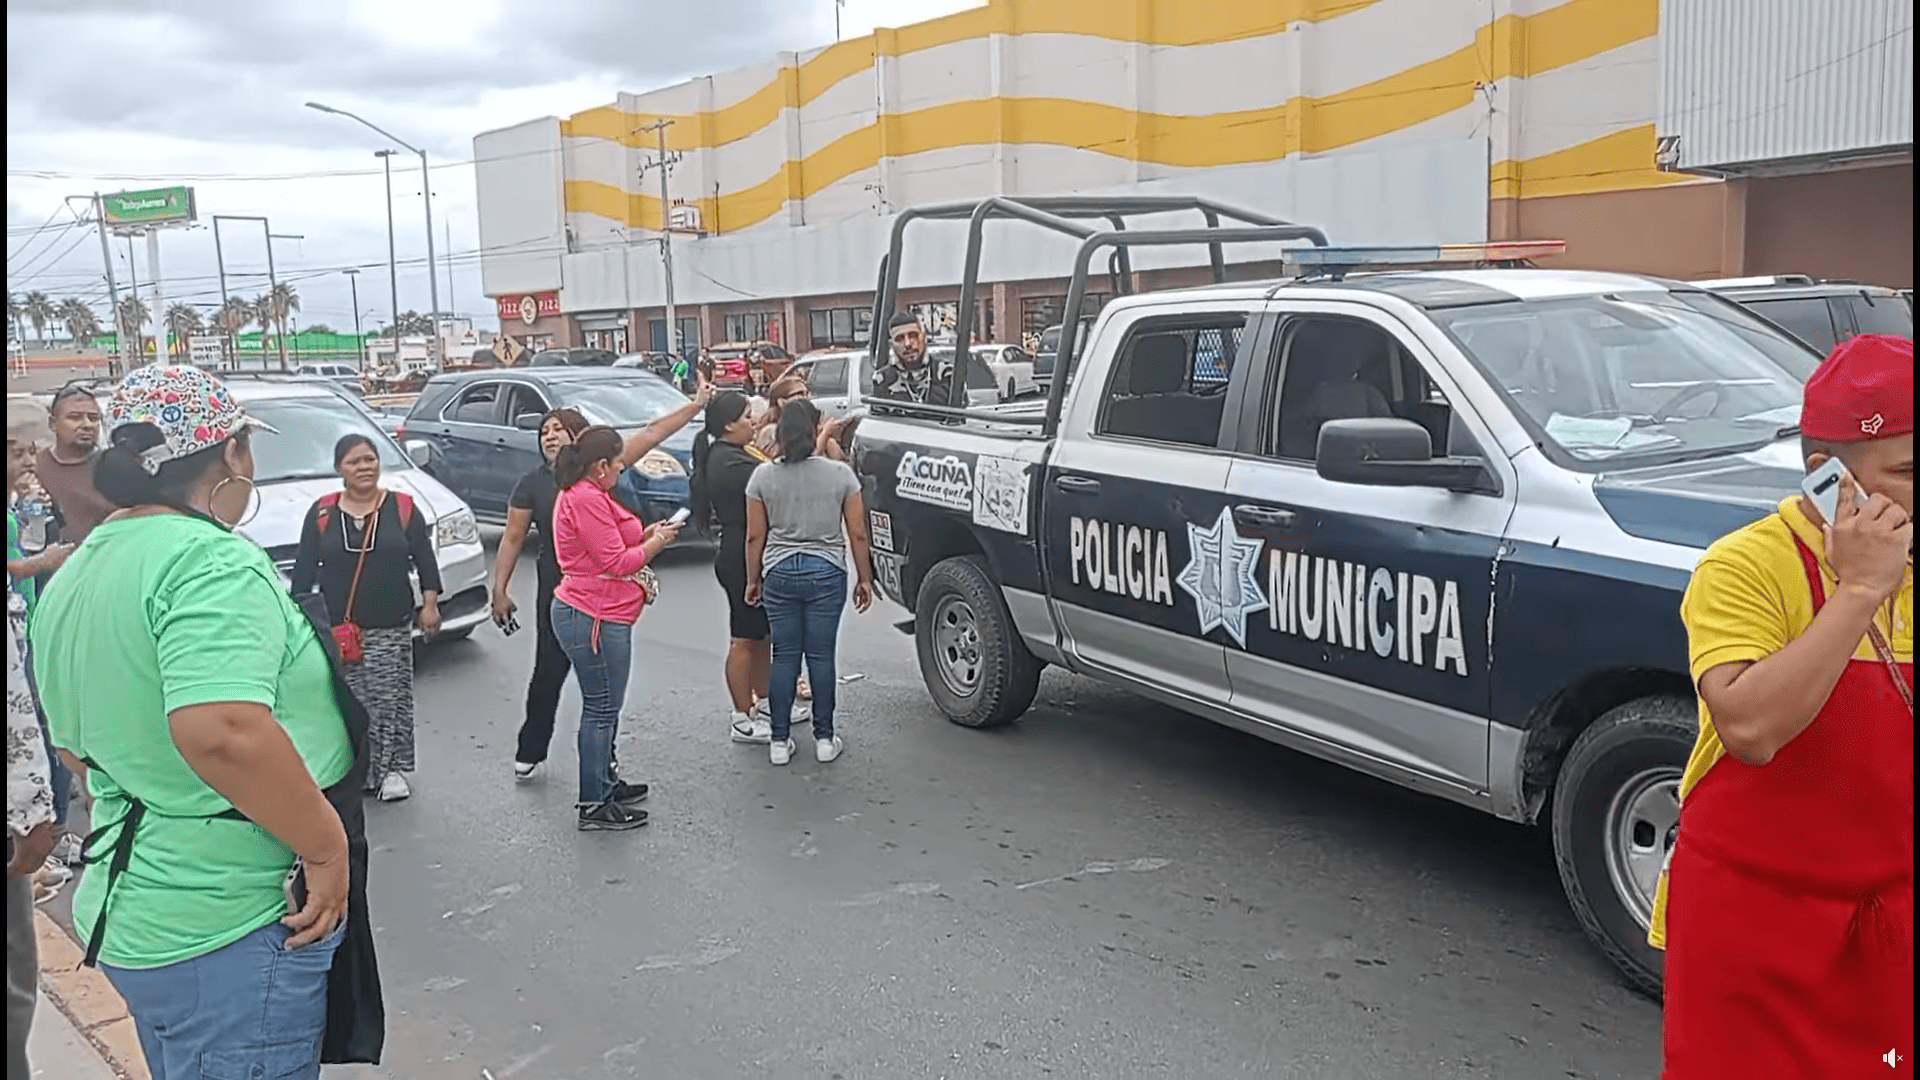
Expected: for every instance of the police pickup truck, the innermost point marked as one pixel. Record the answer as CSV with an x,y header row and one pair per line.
x,y
1433,525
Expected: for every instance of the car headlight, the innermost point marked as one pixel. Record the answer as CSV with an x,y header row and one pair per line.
x,y
456,528
658,465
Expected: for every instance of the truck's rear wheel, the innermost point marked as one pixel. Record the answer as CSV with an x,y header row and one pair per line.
x,y
1616,810
976,668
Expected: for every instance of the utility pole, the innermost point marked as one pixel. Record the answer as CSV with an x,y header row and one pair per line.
x,y
113,291
665,163
229,348
158,309
360,343
448,226
837,5
273,287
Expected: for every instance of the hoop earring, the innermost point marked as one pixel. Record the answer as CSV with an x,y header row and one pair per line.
x,y
253,501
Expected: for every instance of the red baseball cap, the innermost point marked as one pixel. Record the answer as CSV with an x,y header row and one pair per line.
x,y
1862,390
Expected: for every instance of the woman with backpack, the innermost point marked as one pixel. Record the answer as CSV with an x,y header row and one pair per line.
x,y
359,544
806,534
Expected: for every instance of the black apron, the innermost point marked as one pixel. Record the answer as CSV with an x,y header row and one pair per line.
x,y
356,1028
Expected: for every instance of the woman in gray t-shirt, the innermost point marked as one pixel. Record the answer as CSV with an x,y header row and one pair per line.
x,y
806,532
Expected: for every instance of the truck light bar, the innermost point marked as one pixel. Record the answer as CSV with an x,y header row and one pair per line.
x,y
1355,257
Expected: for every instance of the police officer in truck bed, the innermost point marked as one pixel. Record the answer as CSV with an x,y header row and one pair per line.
x,y
910,377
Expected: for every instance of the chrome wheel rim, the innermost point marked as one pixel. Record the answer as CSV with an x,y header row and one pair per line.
x,y
956,646
1642,820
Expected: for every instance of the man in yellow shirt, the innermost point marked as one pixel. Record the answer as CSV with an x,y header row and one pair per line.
x,y
1787,911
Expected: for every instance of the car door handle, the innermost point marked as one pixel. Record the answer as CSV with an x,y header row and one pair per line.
x,y
1078,485
1263,517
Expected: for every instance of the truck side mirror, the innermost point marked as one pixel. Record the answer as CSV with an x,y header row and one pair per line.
x,y
1391,452
420,451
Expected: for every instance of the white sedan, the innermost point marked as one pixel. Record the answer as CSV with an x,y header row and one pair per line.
x,y
1012,368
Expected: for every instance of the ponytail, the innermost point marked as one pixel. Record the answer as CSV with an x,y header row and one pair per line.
x,y
122,478
798,429
592,446
726,407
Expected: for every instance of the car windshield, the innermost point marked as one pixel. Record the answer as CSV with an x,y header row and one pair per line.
x,y
302,448
1638,376
622,402
979,375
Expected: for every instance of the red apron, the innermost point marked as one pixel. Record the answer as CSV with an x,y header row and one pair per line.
x,y
1790,896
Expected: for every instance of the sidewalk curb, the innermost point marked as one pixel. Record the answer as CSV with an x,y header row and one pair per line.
x,y
88,1000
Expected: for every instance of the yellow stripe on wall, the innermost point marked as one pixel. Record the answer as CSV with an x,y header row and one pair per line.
x,y
1620,160
1510,47
1149,22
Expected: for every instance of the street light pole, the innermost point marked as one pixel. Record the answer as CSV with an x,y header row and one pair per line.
x,y
426,194
359,343
393,271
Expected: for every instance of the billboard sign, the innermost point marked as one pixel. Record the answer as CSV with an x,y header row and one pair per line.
x,y
158,206
528,308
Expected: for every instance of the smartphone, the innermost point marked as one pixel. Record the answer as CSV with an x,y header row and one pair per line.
x,y
512,624
1822,488
680,516
296,886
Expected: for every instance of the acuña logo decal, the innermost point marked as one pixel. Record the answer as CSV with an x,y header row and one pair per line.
x,y
943,481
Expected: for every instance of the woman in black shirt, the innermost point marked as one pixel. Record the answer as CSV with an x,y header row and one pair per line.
x,y
358,545
723,458
530,511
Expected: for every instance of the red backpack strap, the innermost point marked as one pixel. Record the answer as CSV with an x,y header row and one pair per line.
x,y
406,508
322,508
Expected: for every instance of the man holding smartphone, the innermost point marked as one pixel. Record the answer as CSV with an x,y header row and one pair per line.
x,y
1787,909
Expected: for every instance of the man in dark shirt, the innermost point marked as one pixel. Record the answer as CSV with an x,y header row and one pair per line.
x,y
65,469
910,377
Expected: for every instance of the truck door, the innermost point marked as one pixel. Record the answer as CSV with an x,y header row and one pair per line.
x,y
1374,634
1136,480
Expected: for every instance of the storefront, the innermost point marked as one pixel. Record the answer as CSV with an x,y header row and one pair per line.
x,y
532,322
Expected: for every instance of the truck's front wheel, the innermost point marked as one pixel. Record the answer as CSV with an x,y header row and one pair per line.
x,y
1616,810
976,668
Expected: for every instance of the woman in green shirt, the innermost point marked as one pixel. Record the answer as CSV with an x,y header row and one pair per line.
x,y
207,748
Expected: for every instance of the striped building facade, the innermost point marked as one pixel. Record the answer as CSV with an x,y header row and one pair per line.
x,y
1382,121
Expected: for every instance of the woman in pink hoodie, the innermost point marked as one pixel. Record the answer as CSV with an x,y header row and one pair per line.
x,y
602,548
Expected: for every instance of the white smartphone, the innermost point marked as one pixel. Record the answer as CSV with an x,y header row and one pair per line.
x,y
1822,488
680,516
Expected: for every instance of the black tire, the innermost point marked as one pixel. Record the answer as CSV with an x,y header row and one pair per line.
x,y
961,624
1610,814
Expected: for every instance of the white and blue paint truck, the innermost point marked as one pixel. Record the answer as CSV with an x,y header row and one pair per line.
x,y
1430,524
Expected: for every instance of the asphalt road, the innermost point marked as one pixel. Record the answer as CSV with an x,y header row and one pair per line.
x,y
1108,888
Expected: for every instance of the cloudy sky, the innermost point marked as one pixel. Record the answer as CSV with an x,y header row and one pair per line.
x,y
113,95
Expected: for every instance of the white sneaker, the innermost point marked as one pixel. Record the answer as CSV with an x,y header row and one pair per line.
x,y
780,752
826,750
524,770
394,788
752,729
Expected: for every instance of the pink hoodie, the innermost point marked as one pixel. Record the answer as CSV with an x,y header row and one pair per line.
x,y
598,543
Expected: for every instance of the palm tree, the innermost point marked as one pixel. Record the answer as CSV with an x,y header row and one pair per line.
x,y
262,314
183,322
283,301
133,317
233,317
83,325
39,311
14,313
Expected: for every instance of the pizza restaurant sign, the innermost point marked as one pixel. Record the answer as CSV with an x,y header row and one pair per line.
x,y
529,307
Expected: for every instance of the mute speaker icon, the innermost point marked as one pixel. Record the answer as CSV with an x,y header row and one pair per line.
x,y
1890,1057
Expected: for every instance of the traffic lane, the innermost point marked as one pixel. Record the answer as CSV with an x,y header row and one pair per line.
x,y
1106,888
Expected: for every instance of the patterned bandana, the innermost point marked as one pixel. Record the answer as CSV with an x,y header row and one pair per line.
x,y
192,409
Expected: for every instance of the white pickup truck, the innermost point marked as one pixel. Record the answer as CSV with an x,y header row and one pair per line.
x,y
1433,525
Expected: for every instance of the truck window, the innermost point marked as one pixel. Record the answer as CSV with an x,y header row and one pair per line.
x,y
1806,318
1337,369
828,377
1169,383
1881,315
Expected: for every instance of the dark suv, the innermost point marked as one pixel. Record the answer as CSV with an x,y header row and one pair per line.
x,y
576,357
1820,313
483,431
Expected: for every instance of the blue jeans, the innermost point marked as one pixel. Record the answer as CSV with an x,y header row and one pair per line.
x,y
804,597
602,657
250,1009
